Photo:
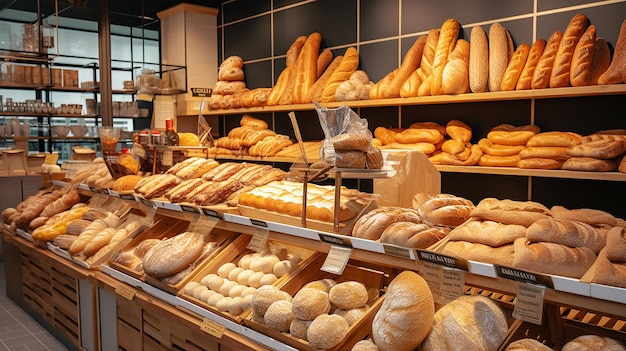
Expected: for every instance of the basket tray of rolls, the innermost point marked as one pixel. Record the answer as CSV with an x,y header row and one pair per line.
x,y
281,201
318,310
225,285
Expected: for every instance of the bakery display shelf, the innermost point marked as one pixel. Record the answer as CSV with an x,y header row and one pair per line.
x,y
23,114
23,56
17,86
260,158
549,93
72,89
605,176
124,91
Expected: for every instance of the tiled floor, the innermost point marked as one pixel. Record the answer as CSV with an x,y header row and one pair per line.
x,y
18,331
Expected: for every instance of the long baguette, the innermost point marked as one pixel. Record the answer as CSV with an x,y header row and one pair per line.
x,y
323,60
294,50
525,80
455,78
410,63
315,93
601,59
498,55
541,76
445,44
428,56
306,68
514,69
348,65
479,60
616,73
560,76
580,70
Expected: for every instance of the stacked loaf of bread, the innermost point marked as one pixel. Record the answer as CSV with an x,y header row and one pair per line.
x,y
320,312
252,138
56,225
230,81
285,197
503,144
601,151
430,220
422,136
548,150
610,266
457,148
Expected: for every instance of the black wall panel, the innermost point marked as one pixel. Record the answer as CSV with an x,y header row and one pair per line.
x,y
378,19
249,39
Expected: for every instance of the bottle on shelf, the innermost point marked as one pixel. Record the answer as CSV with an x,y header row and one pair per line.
x,y
171,137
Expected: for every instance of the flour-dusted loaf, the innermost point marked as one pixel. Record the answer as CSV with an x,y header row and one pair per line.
x,y
442,209
406,314
566,232
479,60
552,258
467,323
348,65
508,211
498,55
615,73
487,232
172,255
591,342
372,224
527,344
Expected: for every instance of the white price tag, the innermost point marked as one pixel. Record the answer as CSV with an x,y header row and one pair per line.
x,y
149,220
432,275
337,259
452,283
529,302
125,292
212,328
168,158
258,242
205,225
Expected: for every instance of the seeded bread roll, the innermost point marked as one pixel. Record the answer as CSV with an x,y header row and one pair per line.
x,y
279,316
309,303
560,76
327,330
479,60
348,295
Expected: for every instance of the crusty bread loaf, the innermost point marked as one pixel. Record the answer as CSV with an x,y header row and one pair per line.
x,y
479,60
589,164
455,79
414,235
507,134
540,163
602,149
406,315
447,40
566,232
507,211
348,65
514,69
593,342
442,209
294,50
527,344
489,233
348,295
327,330
615,73
411,85
551,258
410,63
426,86
601,60
281,85
378,90
490,148
499,161
502,255
560,75
316,90
580,71
415,135
552,152
555,138
536,50
467,323
428,55
498,55
306,68
323,60
594,217
541,75
372,224
172,255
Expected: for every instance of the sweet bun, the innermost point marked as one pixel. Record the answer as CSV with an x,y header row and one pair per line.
x,y
348,295
309,303
327,330
298,328
365,345
323,284
279,316
265,296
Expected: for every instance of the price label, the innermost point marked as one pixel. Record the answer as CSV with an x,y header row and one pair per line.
x,y
398,251
138,151
529,302
127,197
258,242
336,260
257,222
204,225
97,200
168,158
149,220
212,328
125,292
432,275
444,260
213,213
335,240
51,159
524,276
452,283
190,209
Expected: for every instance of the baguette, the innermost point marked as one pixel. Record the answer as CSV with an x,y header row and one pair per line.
x,y
566,232
541,76
479,60
488,233
514,69
499,161
428,56
426,86
560,75
580,71
489,148
589,164
601,60
455,79
306,68
280,86
498,55
445,44
501,255
412,84
616,73
410,63
551,258
555,138
378,90
348,65
552,152
294,51
316,90
539,163
525,80
323,60
602,149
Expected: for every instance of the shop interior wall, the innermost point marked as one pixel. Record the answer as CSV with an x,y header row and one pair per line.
x,y
261,32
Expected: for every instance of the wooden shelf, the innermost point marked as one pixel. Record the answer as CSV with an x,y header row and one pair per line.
x,y
550,93
605,176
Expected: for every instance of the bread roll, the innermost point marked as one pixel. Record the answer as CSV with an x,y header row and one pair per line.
x,y
365,345
349,63
406,314
410,63
306,68
488,232
541,75
279,316
555,138
514,69
455,79
615,73
476,323
447,40
459,131
540,163
372,224
498,55
534,55
326,331
560,75
580,71
527,344
309,303
593,342
507,211
348,295
478,60
601,59
266,296
551,258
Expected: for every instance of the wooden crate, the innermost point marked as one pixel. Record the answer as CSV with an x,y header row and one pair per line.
x,y
221,237
157,328
376,277
128,338
65,301
37,285
233,253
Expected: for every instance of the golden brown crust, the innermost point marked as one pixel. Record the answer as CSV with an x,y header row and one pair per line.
x,y
409,64
455,79
541,75
323,60
601,60
445,44
316,90
536,50
306,68
560,75
498,55
580,71
348,65
515,67
615,73
479,60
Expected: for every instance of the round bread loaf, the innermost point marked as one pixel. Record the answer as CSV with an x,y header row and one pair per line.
x,y
281,268
467,323
265,296
352,315
442,209
309,303
350,159
173,255
298,328
374,158
348,295
365,345
351,141
327,330
322,284
279,316
372,224
527,344
593,342
406,314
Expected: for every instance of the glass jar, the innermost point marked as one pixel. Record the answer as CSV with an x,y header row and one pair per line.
x,y
149,82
